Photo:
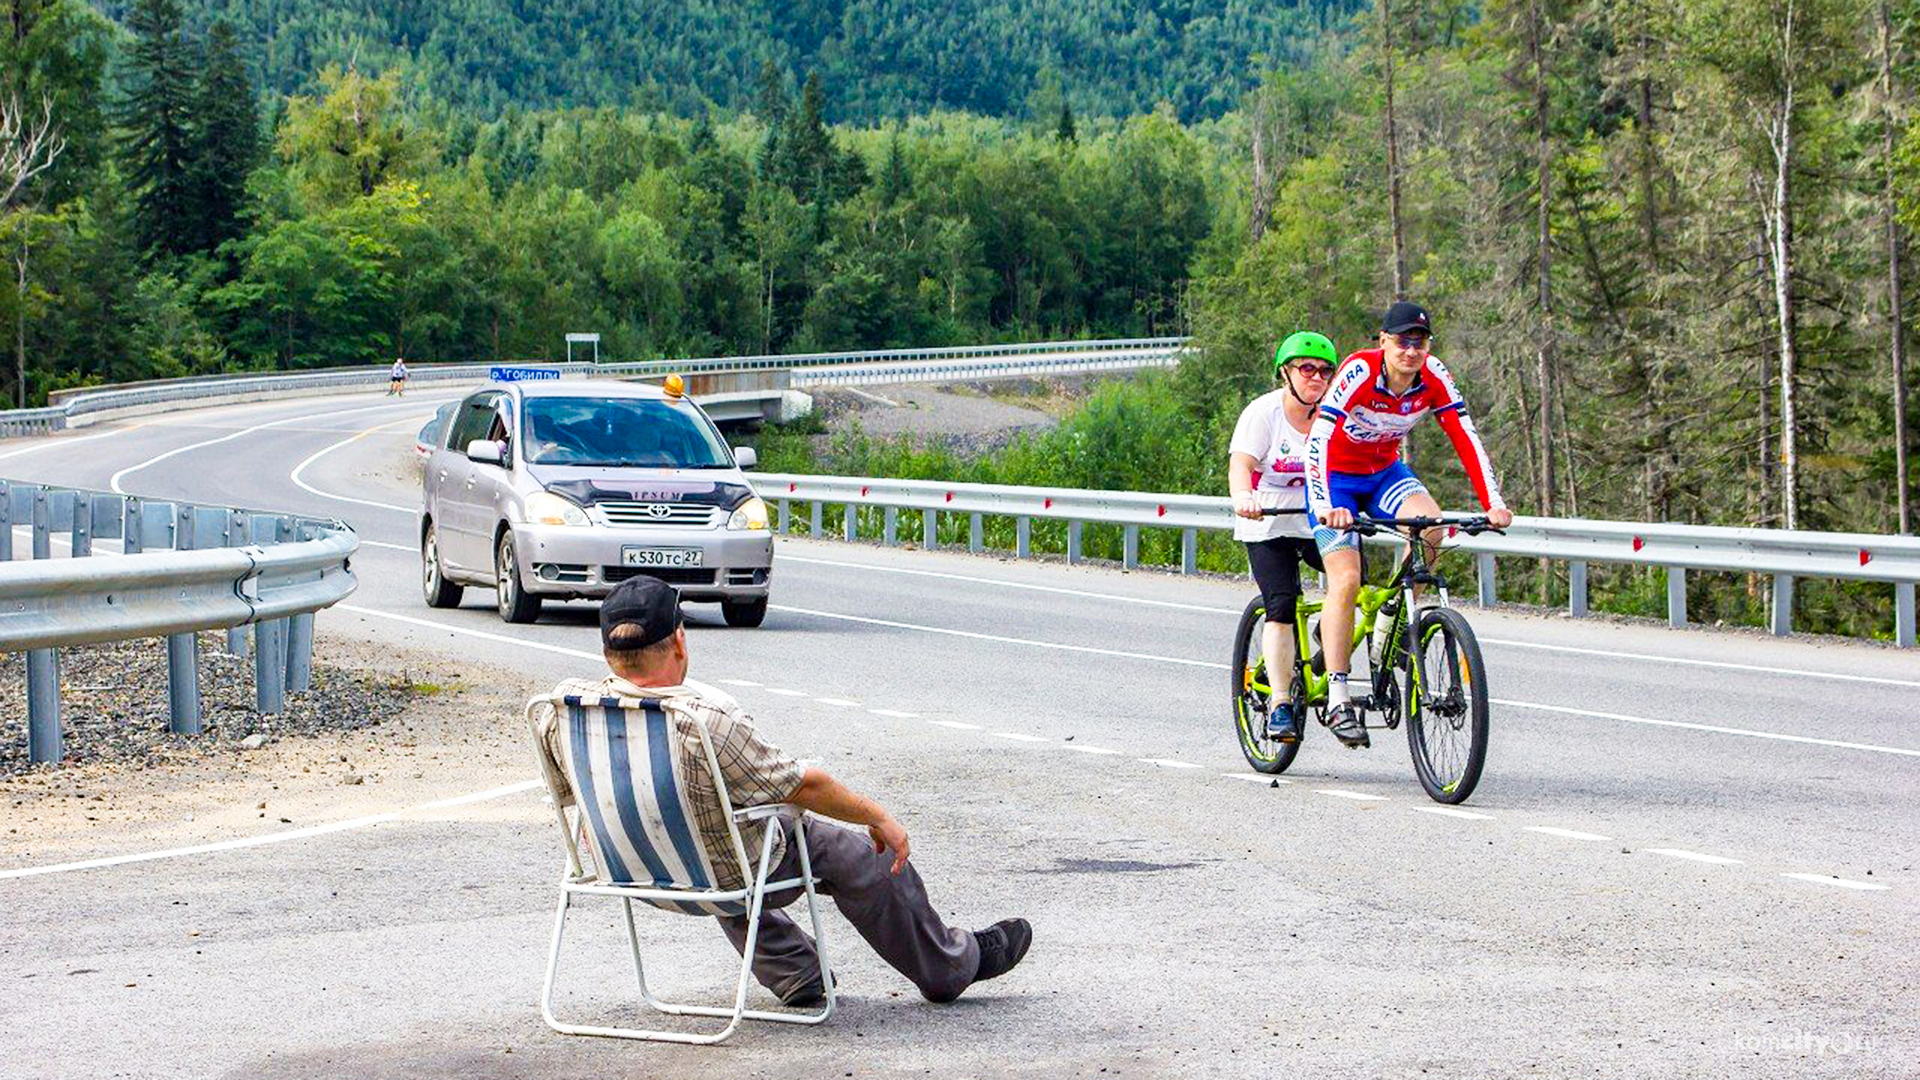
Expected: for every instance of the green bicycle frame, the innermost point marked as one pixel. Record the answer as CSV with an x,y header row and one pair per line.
x,y
1368,604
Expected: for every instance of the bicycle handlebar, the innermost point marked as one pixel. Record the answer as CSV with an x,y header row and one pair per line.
x,y
1472,526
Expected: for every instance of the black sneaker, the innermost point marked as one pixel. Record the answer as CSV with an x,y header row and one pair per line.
x,y
1345,723
1002,945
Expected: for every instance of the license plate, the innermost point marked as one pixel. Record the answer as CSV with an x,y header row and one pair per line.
x,y
646,556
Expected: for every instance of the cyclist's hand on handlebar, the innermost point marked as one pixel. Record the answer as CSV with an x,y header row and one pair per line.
x,y
1339,518
1500,517
1246,504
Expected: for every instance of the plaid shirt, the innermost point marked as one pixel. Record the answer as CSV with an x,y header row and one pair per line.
x,y
755,771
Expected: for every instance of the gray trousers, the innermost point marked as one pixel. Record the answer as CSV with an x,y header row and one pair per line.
x,y
890,910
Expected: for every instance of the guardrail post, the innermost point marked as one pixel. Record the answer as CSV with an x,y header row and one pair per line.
x,y
1782,605
1488,592
890,530
269,640
1073,542
299,631
6,521
80,541
1023,538
1130,547
1189,551
43,665
236,536
786,516
1903,629
1577,588
851,525
976,534
929,529
813,521
1676,596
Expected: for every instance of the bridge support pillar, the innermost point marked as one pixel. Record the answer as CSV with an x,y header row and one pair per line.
x,y
1073,542
1189,551
976,534
1903,629
1484,562
1130,547
1577,588
1782,623
1676,596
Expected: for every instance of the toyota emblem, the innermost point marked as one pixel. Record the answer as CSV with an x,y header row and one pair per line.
x,y
658,510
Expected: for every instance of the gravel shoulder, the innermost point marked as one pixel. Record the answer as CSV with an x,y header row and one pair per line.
x,y
967,418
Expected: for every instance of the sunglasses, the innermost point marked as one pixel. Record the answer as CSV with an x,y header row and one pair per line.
x,y
1314,371
1411,341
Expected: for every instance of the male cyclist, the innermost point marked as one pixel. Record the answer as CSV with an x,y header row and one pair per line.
x,y
1266,468
1353,464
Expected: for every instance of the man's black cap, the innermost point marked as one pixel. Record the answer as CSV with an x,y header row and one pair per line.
x,y
646,602
1406,316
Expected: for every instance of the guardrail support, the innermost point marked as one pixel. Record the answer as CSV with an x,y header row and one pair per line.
x,y
929,529
269,637
1782,605
1577,588
1189,551
43,706
1903,629
786,516
813,521
236,536
300,654
1130,547
851,525
1023,537
976,534
80,541
183,685
1488,592
1676,596
890,526
1073,542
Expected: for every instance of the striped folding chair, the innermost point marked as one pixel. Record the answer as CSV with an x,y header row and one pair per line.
x,y
630,835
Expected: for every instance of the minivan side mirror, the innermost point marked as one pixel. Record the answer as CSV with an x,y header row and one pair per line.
x,y
746,457
486,451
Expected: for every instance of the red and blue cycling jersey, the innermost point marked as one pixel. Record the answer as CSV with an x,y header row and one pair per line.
x,y
1362,424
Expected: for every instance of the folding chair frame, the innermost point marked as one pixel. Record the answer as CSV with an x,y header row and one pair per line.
x,y
575,882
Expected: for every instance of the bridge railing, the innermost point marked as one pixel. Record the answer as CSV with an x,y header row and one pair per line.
x,y
1783,555
174,569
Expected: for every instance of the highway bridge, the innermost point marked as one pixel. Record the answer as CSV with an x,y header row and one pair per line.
x,y
1693,853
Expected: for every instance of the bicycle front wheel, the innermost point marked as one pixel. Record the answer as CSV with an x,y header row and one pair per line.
x,y
1254,693
1447,706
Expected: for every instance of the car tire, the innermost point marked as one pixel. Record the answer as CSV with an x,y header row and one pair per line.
x,y
744,613
440,592
517,605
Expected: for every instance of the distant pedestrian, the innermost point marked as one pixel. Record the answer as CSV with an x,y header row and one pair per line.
x,y
397,378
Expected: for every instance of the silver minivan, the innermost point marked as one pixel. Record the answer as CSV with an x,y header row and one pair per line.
x,y
563,489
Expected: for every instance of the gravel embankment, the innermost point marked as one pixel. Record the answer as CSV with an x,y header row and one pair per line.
x,y
969,419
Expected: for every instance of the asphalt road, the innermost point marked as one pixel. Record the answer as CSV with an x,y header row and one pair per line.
x,y
1693,853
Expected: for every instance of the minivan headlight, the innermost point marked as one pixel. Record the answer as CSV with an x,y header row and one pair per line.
x,y
751,514
546,508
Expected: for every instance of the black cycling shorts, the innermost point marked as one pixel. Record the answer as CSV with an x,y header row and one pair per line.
x,y
1276,569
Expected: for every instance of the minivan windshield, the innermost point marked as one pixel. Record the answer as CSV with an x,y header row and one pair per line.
x,y
613,432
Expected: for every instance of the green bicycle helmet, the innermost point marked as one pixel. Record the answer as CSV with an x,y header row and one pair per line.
x,y
1304,343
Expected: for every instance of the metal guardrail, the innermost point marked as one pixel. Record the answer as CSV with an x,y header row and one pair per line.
x,y
181,568
1783,555
74,408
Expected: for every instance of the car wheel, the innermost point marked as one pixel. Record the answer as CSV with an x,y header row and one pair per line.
x,y
744,613
517,605
440,592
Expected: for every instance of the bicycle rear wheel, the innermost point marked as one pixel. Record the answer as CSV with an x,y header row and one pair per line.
x,y
1447,706
1254,694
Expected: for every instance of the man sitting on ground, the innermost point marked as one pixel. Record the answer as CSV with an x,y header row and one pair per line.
x,y
872,883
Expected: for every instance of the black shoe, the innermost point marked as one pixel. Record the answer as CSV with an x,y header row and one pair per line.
x,y
1345,723
1002,945
808,996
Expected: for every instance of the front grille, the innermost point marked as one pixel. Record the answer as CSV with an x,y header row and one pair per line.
x,y
672,515
672,575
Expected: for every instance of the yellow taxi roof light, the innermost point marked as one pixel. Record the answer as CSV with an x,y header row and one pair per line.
x,y
675,386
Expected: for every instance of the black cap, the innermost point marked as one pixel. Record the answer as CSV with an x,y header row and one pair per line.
x,y
645,602
1404,316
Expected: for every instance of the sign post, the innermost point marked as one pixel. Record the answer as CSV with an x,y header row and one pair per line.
x,y
583,339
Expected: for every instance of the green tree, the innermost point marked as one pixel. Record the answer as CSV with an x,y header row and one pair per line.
x,y
157,119
351,139
227,140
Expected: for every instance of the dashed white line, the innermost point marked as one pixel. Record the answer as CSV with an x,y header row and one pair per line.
x,y
1448,811
955,725
1017,736
895,713
1258,778
1693,856
364,542
1087,748
1747,732
783,692
739,682
1339,794
996,637
1839,882
1168,763
1569,834
838,701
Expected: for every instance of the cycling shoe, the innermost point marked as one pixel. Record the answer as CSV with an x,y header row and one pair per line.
x,y
1347,726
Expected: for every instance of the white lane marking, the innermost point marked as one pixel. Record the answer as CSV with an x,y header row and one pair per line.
x,y
895,713
1615,654
996,637
1717,729
839,701
355,437
114,481
1167,763
62,441
1086,748
449,628
364,542
1339,794
1839,882
956,725
274,838
1765,669
1258,778
739,682
1693,856
1017,737
1569,834
1448,811
786,693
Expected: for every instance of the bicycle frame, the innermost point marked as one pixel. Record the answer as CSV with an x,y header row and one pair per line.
x,y
1371,603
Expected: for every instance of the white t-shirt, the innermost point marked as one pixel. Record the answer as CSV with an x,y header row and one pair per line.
x,y
1279,451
